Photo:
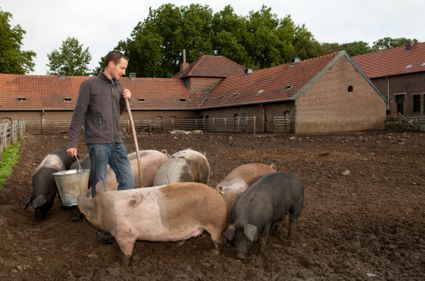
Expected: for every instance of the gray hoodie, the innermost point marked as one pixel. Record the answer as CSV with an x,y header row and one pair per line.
x,y
99,106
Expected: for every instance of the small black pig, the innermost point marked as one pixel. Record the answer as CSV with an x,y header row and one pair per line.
x,y
44,187
263,206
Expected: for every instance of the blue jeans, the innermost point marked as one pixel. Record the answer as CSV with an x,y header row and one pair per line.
x,y
116,156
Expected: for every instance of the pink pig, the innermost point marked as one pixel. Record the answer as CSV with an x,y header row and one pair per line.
x,y
171,212
238,180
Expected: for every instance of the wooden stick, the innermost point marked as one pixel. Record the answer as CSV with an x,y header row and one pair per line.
x,y
136,144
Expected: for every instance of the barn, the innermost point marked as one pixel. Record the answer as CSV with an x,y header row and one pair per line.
x,y
320,95
398,73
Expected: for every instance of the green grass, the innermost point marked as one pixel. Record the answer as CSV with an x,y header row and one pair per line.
x,y
10,157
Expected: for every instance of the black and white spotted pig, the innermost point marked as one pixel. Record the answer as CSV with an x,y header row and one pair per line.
x,y
44,187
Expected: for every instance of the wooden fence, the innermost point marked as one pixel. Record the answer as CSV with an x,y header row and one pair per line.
x,y
214,124
402,122
281,124
10,133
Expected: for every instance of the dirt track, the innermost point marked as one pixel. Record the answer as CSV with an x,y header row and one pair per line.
x,y
363,218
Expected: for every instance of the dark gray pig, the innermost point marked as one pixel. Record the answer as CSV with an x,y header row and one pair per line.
x,y
44,187
261,207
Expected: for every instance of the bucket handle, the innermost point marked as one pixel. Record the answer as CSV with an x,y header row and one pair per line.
x,y
79,165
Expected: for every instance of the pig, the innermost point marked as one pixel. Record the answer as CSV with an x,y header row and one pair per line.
x,y
44,187
150,161
261,208
172,212
184,166
238,180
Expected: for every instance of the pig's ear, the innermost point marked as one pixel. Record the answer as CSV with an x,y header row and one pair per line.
x,y
229,232
39,201
251,232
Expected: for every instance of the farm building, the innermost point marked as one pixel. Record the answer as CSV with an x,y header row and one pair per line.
x,y
399,74
320,95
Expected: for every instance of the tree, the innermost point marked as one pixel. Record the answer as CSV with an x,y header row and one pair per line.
x,y
12,58
70,59
388,42
353,48
256,41
229,31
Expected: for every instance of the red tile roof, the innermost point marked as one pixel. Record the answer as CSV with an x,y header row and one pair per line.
x,y
272,84
159,93
38,91
50,92
393,61
211,66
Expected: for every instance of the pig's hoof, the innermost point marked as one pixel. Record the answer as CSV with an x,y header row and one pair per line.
x,y
215,252
76,215
126,260
106,238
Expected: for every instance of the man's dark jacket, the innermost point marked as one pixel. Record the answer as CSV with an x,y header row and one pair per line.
x,y
99,106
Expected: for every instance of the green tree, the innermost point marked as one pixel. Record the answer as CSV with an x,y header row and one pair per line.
x,y
305,46
70,59
388,42
353,48
229,31
258,40
12,58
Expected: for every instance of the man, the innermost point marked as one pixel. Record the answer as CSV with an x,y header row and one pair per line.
x,y
99,106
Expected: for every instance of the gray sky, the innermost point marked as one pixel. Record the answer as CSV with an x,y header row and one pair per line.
x,y
99,25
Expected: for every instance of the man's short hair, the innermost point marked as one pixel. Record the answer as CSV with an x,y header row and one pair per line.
x,y
114,56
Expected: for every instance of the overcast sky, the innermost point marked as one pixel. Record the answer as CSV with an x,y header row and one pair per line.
x,y
99,25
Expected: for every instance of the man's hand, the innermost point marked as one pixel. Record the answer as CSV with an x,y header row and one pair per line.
x,y
126,94
72,152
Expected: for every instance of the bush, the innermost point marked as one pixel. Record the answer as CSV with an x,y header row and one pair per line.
x,y
10,157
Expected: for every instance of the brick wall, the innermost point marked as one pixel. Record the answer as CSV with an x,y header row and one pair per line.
x,y
341,100
406,85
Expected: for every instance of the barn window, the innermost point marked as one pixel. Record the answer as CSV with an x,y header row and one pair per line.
x,y
67,99
399,99
416,103
350,88
141,99
21,99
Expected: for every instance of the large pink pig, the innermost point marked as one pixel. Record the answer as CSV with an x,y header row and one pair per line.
x,y
171,212
184,166
238,180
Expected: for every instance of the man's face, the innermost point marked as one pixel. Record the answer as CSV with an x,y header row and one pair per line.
x,y
118,70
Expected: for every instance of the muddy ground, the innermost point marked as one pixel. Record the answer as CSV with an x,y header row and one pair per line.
x,y
363,218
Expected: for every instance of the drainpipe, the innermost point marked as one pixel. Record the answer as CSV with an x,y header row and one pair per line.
x,y
388,93
42,120
264,118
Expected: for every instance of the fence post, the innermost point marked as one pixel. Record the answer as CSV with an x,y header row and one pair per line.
x,y
5,135
255,125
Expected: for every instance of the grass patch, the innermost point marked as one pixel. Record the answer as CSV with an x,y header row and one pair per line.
x,y
10,157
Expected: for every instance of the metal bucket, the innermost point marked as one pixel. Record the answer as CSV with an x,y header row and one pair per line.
x,y
71,184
